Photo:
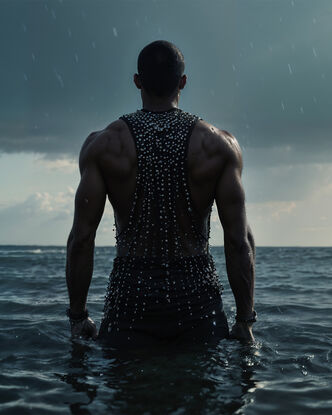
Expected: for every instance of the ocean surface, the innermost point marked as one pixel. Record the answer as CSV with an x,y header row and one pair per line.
x,y
287,371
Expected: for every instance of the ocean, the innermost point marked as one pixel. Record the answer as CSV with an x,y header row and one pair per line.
x,y
287,371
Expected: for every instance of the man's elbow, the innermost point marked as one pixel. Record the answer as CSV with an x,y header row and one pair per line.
x,y
70,238
237,243
81,240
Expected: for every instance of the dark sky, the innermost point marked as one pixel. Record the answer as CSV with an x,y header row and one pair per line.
x,y
261,69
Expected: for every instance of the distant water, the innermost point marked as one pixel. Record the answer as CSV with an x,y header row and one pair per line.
x,y
288,371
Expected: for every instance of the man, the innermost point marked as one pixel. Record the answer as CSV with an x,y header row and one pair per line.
x,y
161,168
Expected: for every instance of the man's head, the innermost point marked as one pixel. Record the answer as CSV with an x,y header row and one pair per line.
x,y
160,68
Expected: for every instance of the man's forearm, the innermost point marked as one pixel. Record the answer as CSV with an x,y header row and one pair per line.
x,y
252,243
240,263
79,268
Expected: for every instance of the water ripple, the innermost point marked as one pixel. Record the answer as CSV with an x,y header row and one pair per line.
x,y
287,370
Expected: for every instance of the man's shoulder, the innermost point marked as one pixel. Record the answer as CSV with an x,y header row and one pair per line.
x,y
217,141
105,140
112,132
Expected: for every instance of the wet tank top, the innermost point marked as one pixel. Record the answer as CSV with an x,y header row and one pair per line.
x,y
164,231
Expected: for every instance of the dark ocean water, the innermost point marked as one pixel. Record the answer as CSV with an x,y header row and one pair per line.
x,y
287,371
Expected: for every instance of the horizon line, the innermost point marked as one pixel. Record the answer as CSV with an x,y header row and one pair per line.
x,y
211,246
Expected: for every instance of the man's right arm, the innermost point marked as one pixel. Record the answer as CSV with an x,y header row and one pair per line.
x,y
238,239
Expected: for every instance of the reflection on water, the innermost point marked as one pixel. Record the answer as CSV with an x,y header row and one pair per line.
x,y
198,380
78,367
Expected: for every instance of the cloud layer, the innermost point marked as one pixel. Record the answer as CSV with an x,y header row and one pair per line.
x,y
260,69
49,216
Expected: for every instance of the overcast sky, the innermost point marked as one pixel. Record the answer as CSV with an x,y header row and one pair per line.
x,y
260,69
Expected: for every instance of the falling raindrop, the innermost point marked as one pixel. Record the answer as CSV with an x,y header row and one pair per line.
x,y
282,106
25,76
33,56
24,27
59,78
290,69
69,32
76,57
115,32
314,52
93,45
233,67
301,110
53,14
251,45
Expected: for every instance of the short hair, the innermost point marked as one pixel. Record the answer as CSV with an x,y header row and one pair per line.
x,y
160,66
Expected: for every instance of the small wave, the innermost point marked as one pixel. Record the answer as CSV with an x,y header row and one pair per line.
x,y
13,252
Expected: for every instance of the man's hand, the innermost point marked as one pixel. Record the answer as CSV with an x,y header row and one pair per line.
x,y
242,332
85,328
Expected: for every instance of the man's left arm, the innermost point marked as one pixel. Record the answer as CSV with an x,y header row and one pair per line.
x,y
89,207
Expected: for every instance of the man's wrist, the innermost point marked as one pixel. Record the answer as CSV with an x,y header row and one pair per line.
x,y
75,317
246,319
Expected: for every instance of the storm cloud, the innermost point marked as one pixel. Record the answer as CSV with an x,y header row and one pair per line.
x,y
259,69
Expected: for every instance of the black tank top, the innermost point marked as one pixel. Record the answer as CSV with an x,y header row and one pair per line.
x,y
164,231
163,222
